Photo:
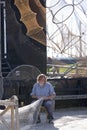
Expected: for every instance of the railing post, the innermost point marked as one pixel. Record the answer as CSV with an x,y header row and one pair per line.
x,y
17,113
12,117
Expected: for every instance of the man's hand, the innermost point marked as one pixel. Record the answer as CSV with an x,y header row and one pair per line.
x,y
48,97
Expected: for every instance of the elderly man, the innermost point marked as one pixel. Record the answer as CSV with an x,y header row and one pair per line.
x,y
45,90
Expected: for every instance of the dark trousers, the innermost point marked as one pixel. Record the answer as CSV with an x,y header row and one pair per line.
x,y
48,104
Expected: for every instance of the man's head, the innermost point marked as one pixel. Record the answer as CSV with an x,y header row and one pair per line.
x,y
41,79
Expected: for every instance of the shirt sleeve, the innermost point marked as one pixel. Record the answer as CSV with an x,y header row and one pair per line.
x,y
52,91
33,90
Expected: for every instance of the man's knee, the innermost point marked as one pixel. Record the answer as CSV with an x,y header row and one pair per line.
x,y
48,103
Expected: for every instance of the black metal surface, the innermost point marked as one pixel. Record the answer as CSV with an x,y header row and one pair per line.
x,y
21,48
22,88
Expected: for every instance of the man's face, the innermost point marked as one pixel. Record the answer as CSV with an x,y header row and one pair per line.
x,y
42,81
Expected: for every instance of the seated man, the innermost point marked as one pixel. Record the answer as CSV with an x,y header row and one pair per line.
x,y
43,89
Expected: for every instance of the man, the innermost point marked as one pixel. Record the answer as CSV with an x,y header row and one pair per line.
x,y
43,89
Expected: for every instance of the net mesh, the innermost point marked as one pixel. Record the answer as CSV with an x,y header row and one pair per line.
x,y
30,112
27,115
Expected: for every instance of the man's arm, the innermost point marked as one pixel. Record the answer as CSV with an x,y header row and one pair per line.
x,y
34,97
51,97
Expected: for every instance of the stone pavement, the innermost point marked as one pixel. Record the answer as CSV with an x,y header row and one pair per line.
x,y
65,119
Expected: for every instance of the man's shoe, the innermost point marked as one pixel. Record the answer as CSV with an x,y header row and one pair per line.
x,y
50,121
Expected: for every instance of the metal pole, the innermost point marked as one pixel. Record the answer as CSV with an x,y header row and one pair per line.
x,y
1,79
0,37
5,44
4,20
